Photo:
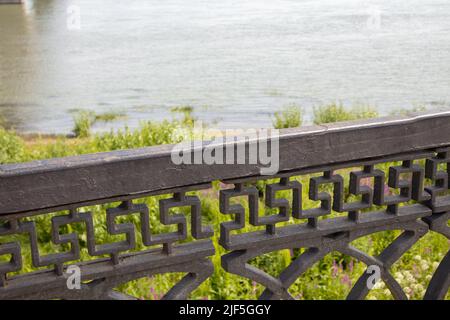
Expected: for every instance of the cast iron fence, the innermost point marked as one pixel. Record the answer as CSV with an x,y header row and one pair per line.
x,y
415,148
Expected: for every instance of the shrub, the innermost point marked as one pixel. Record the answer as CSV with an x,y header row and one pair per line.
x,y
288,117
83,123
337,112
11,147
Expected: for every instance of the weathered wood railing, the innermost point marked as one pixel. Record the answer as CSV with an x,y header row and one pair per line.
x,y
420,143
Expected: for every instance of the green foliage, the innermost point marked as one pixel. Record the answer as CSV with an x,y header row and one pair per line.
x,y
109,116
288,117
182,109
83,123
11,147
84,120
337,112
187,119
148,134
405,111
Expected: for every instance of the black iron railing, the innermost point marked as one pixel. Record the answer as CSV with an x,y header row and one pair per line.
x,y
345,157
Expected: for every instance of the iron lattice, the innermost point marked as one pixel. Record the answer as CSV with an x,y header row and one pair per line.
x,y
418,202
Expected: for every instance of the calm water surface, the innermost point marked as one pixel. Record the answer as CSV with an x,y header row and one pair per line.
x,y
235,61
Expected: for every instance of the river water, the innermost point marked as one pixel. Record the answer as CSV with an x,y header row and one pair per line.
x,y
236,62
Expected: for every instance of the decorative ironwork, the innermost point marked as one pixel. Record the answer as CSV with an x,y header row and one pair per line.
x,y
122,267
321,237
412,195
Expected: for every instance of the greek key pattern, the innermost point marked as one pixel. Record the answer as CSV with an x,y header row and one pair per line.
x,y
198,270
402,201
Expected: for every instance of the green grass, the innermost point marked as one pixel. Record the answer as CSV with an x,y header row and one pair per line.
x,y
109,116
83,123
183,109
12,147
84,120
330,278
406,111
291,116
337,112
288,117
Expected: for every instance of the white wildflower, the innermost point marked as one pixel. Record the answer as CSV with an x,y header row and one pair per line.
x,y
399,276
424,265
418,287
410,278
379,285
